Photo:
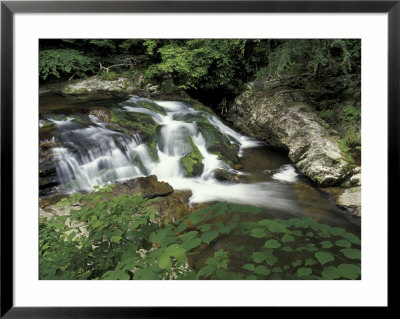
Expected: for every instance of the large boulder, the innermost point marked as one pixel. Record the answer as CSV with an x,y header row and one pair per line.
x,y
96,84
148,187
276,111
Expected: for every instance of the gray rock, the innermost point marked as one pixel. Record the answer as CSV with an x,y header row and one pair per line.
x,y
350,199
276,112
228,176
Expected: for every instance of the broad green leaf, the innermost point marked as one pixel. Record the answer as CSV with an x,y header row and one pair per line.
x,y
330,273
145,274
277,269
176,251
115,275
205,227
189,235
297,263
258,256
275,227
181,227
269,257
249,267
206,271
336,231
264,222
351,253
195,219
349,271
262,270
209,236
352,238
343,243
165,262
326,244
287,249
287,238
258,233
324,257
310,262
191,243
304,271
272,243
116,239
163,236
297,233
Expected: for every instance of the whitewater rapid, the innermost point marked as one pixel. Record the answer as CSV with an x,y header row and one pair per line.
x,y
92,154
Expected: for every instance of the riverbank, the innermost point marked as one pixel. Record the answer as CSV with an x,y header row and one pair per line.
x,y
274,111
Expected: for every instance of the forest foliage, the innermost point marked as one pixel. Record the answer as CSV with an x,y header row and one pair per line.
x,y
198,65
126,239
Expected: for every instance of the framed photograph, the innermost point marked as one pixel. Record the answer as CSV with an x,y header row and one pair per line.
x,y
161,155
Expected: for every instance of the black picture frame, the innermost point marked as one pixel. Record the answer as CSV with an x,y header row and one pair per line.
x,y
9,8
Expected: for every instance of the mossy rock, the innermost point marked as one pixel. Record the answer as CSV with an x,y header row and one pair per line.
x,y
183,141
142,124
192,163
225,147
153,152
219,144
137,161
150,105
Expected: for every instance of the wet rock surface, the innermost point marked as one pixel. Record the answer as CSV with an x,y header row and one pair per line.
x,y
148,187
276,111
228,176
348,199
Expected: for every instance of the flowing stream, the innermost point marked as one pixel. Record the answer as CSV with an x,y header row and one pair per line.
x,y
92,151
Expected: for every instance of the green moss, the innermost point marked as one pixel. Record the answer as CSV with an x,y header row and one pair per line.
x,y
351,113
43,181
137,161
109,76
47,124
152,149
192,162
152,106
138,123
344,148
219,144
317,179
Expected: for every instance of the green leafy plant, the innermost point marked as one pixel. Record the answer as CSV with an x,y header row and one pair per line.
x,y
57,63
118,237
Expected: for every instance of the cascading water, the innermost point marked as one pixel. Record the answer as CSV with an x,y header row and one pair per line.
x,y
95,154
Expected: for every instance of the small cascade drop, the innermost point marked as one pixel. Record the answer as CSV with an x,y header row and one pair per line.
x,y
95,153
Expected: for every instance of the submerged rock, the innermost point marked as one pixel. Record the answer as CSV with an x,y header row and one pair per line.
x,y
276,111
174,206
348,199
148,187
101,113
228,176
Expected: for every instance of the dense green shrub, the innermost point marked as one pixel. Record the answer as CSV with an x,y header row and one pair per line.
x,y
59,63
125,240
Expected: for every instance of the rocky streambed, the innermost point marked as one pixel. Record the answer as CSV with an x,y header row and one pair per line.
x,y
278,112
274,111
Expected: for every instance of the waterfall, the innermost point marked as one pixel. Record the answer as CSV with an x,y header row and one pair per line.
x,y
95,153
